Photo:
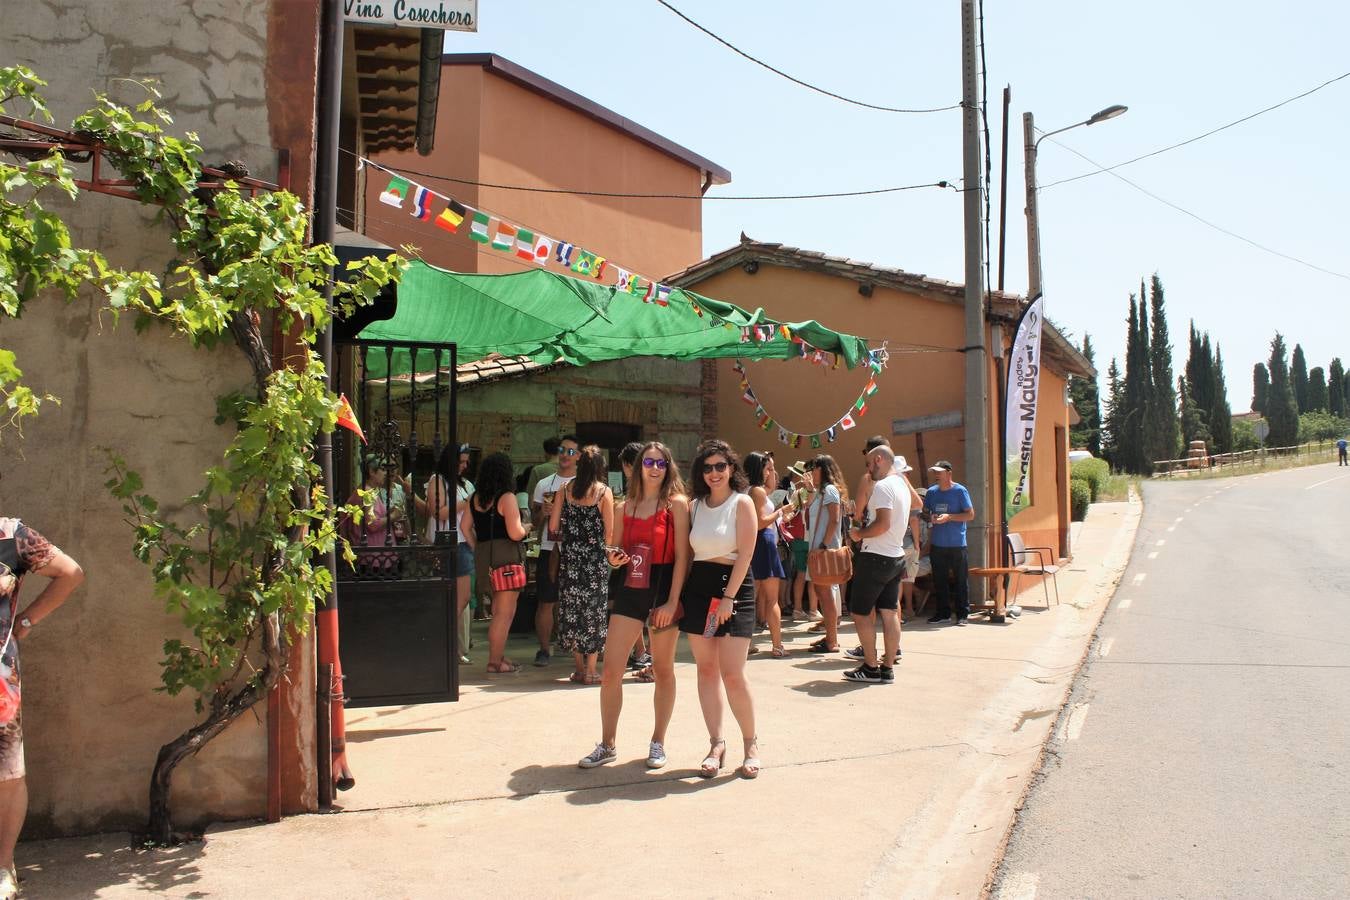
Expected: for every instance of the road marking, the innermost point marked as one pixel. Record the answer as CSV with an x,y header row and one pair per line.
x,y
1019,886
1328,481
1124,603
1104,648
1161,541
1073,723
1153,555
1181,518
1139,579
1172,528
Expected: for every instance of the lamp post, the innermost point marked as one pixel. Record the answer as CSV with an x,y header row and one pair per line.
x,y
1031,142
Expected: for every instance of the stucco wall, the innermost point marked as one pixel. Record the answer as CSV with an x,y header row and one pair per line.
x,y
493,130
92,718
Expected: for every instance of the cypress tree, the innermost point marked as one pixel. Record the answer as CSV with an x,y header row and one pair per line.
x,y
1318,396
1281,407
1129,438
1220,412
1260,387
1084,395
1161,432
1336,388
1113,416
1193,425
1298,373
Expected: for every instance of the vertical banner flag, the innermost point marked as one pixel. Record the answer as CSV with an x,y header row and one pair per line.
x,y
1024,380
393,195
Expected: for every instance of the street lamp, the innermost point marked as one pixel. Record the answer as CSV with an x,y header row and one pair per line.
x,y
1030,142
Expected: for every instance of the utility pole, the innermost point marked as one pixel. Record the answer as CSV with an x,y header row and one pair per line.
x,y
1033,222
976,474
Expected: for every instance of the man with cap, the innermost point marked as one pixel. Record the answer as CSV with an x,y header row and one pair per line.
x,y
948,506
879,568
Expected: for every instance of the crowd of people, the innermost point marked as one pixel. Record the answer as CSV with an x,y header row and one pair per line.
x,y
721,557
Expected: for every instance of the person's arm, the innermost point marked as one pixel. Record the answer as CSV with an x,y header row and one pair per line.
x,y
555,510
664,615
745,549
862,496
606,501
915,531
515,529
757,497
540,512
66,575
879,525
831,518
915,498
438,498
967,514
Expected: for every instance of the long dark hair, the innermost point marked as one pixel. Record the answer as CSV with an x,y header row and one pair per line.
x,y
590,470
447,464
735,475
830,474
671,485
496,476
755,465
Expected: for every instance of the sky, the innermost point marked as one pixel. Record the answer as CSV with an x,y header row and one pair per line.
x,y
1181,68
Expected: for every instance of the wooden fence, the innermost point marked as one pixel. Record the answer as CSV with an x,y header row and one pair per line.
x,y
1244,459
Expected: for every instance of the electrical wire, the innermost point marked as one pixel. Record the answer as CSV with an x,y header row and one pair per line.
x,y
819,90
1200,219
1198,137
618,194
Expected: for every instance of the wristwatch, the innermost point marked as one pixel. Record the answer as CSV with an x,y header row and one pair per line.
x,y
26,622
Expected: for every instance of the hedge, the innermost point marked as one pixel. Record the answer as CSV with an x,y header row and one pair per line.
x,y
1080,497
1095,472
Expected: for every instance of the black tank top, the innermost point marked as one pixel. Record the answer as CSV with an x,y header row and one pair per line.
x,y
488,525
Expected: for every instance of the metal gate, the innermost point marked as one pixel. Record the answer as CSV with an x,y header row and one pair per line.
x,y
396,604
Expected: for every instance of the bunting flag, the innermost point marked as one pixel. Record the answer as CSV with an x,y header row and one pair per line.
x,y
815,441
504,238
525,244
796,440
792,438
635,286
831,434
421,204
543,249
745,335
782,435
479,229
847,422
393,194
871,388
621,284
749,397
586,263
346,417
767,423
564,254
861,407
451,217
662,297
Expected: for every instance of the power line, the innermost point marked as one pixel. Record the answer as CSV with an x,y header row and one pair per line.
x,y
619,194
819,90
1199,137
1200,219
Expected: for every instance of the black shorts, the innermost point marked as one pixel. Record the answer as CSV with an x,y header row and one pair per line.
x,y
706,582
545,588
876,583
637,603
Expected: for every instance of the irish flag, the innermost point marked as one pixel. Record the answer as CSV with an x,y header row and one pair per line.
x,y
479,230
505,237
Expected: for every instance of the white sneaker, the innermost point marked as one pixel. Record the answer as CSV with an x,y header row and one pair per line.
x,y
598,757
656,756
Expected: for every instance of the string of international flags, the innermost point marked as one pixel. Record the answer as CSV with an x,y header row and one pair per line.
x,y
875,361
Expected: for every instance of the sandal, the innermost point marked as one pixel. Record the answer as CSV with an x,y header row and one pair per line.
x,y
712,763
592,679
645,675
822,646
750,768
505,667
779,652
577,678
819,626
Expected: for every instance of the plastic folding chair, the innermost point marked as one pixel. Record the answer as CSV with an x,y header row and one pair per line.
x,y
1033,561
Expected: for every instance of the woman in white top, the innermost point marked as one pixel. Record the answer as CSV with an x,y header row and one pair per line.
x,y
436,507
719,599
822,530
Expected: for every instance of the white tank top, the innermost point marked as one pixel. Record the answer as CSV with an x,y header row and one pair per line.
x,y
713,532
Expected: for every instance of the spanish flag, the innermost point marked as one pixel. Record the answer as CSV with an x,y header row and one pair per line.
x,y
346,417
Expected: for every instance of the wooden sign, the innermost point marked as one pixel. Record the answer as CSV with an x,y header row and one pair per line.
x,y
931,422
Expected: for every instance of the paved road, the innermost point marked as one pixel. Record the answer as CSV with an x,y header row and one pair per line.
x,y
1205,750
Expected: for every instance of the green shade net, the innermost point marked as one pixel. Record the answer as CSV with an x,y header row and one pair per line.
x,y
550,317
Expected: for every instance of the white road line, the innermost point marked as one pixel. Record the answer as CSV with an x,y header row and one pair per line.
x,y
1172,528
1104,648
1153,555
1124,603
1019,886
1139,579
1328,481
1161,541
1181,518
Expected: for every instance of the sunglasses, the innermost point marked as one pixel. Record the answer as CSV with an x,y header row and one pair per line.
x,y
718,467
649,463
567,451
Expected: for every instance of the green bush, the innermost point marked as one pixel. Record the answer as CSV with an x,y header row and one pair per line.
x,y
1095,472
1080,497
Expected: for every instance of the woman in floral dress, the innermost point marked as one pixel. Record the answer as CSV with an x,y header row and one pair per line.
x,y
584,518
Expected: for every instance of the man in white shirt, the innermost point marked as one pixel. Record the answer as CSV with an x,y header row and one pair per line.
x,y
546,573
879,568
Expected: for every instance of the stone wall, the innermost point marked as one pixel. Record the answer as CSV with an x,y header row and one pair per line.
x,y
92,716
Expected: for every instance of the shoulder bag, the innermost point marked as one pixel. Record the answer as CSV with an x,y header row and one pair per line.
x,y
825,566
510,577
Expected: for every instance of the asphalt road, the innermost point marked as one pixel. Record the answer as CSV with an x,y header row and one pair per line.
x,y
1205,748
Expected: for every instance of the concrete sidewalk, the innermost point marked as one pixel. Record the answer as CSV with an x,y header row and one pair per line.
x,y
875,791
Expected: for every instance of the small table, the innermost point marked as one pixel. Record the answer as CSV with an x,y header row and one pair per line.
x,y
998,574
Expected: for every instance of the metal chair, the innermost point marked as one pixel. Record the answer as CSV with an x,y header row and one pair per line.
x,y
1020,556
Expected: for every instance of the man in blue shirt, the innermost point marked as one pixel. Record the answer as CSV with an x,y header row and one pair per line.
x,y
949,509
1340,449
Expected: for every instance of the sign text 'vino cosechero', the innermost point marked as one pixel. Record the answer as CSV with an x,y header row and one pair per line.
x,y
447,15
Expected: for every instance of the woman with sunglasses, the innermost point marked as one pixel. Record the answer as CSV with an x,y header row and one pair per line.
x,y
719,599
651,532
583,520
822,530
766,565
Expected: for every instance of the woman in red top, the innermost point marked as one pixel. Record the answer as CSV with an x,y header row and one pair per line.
x,y
651,537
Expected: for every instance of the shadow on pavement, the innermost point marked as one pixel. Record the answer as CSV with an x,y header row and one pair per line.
x,y
357,736
631,781
822,688
110,861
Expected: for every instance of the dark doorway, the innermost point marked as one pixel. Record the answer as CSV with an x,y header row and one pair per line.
x,y
610,437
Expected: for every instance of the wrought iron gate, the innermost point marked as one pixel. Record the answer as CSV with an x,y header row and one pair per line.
x,y
398,629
